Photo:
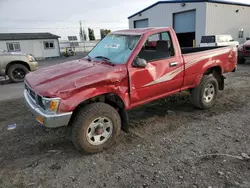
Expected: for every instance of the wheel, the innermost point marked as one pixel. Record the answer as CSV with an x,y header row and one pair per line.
x,y
17,72
95,128
205,94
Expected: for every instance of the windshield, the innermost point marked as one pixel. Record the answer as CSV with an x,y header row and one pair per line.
x,y
116,48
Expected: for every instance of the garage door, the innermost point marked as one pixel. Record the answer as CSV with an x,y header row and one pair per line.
x,y
141,23
184,22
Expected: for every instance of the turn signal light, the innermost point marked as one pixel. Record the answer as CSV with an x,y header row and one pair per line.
x,y
53,105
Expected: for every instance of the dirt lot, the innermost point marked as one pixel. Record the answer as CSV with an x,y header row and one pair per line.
x,y
168,146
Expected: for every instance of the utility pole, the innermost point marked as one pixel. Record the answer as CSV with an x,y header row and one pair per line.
x,y
81,34
84,32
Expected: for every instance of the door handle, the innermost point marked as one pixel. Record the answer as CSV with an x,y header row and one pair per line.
x,y
173,64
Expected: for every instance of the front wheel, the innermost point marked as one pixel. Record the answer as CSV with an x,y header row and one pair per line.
x,y
95,128
17,72
205,94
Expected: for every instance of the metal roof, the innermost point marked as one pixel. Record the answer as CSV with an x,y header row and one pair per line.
x,y
230,2
137,31
27,36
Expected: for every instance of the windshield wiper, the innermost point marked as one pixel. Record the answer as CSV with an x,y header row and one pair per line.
x,y
106,59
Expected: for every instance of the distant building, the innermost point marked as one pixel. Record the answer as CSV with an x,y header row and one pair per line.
x,y
193,19
77,46
40,45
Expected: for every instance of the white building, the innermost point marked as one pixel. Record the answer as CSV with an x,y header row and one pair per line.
x,y
192,19
40,45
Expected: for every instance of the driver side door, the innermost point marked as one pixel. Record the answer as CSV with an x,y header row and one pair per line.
x,y
163,73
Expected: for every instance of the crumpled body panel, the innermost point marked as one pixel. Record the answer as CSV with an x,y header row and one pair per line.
x,y
76,81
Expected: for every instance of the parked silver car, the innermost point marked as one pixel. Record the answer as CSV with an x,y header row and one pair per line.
x,y
16,65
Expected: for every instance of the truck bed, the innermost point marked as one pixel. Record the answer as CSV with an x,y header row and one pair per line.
x,y
196,58
188,50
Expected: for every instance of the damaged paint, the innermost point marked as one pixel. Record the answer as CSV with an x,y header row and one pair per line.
x,y
76,81
152,71
166,77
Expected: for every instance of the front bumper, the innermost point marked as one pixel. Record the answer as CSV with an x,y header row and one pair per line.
x,y
46,119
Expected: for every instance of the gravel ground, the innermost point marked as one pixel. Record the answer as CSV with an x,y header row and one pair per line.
x,y
169,145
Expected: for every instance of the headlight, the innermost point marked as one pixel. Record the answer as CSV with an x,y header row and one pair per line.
x,y
50,105
30,58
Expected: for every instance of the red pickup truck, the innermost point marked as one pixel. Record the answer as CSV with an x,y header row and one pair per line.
x,y
125,69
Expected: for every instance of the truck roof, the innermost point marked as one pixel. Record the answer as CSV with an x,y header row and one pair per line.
x,y
138,31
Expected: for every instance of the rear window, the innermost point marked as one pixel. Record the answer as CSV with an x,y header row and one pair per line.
x,y
208,39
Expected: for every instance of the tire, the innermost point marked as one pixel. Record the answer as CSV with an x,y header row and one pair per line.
x,y
202,97
17,72
84,124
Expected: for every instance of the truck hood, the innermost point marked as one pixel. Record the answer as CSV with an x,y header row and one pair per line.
x,y
65,79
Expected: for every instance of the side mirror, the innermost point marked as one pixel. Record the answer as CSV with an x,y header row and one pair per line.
x,y
138,62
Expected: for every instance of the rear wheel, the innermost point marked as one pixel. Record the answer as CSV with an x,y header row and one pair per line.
x,y
95,128
205,94
17,72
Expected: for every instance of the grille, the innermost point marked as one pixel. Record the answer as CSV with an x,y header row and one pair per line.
x,y
40,102
247,48
36,98
31,92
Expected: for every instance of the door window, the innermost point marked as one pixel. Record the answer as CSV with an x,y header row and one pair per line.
x,y
157,46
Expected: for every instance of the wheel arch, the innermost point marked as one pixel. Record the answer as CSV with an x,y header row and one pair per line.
x,y
216,71
14,63
113,99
